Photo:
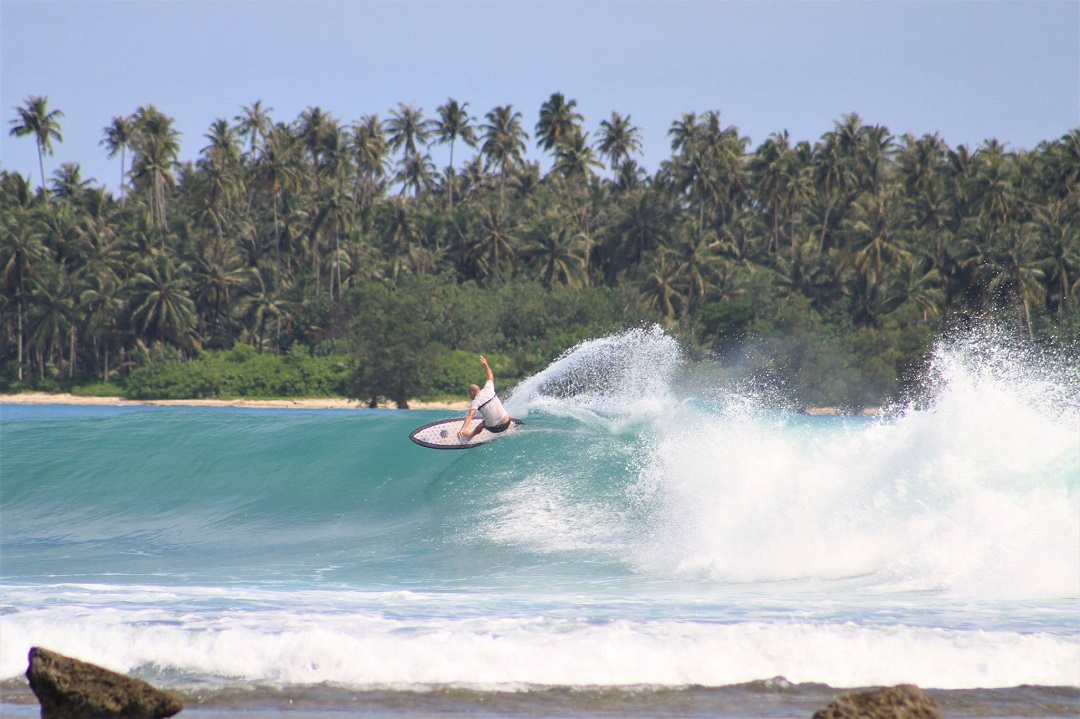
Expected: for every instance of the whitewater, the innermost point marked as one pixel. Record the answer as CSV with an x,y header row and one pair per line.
x,y
653,543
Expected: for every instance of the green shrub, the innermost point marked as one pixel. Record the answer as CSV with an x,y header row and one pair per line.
x,y
241,372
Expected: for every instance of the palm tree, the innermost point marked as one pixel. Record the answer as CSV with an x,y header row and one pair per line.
x,y
558,122
54,319
21,253
262,303
921,284
708,168
161,302
618,140
1060,238
219,180
217,275
629,176
994,182
660,287
118,137
1019,271
402,235
454,123
803,270
254,123
776,169
558,254
67,182
832,177
369,147
35,119
492,250
407,129
872,233
417,172
101,304
503,142
684,132
313,128
97,243
155,146
574,159
473,177
642,224
278,169
696,263
224,146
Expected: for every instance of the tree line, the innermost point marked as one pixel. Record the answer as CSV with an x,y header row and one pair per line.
x,y
311,232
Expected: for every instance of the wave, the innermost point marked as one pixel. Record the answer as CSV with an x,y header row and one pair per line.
x,y
631,467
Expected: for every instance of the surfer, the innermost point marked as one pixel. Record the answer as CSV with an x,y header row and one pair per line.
x,y
487,402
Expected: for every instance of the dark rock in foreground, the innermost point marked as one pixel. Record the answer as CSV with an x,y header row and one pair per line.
x,y
906,701
70,689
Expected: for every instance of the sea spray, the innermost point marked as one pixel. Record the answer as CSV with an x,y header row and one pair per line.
x,y
974,493
612,376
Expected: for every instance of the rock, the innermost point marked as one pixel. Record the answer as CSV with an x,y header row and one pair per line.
x,y
70,689
906,701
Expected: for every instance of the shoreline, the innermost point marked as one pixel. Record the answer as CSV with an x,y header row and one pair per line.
x,y
284,403
25,398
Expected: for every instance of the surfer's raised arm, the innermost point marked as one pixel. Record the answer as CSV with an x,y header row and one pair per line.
x,y
490,376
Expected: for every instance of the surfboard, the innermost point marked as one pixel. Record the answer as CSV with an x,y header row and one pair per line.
x,y
443,434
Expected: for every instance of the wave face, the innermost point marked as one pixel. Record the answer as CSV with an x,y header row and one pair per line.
x,y
649,527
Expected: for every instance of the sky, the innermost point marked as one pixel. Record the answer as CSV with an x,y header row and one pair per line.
x,y
969,70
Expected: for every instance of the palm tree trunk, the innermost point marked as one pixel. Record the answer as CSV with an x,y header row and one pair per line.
x,y
824,226
336,269
123,198
161,202
71,352
21,310
277,236
41,166
1027,319
451,175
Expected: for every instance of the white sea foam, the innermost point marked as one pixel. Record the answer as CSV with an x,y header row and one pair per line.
x,y
366,649
973,492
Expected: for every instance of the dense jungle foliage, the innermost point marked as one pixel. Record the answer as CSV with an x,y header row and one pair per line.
x,y
323,257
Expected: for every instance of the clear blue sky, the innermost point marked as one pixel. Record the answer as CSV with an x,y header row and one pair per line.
x,y
970,70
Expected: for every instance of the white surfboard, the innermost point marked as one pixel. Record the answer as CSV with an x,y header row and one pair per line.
x,y
443,434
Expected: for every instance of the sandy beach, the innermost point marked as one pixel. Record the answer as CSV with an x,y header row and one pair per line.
x,y
301,403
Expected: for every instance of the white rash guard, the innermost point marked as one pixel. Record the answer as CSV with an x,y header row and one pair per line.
x,y
489,405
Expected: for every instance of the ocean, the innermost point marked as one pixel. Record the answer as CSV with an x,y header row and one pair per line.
x,y
653,543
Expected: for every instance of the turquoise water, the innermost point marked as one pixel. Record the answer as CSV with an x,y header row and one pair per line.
x,y
650,544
